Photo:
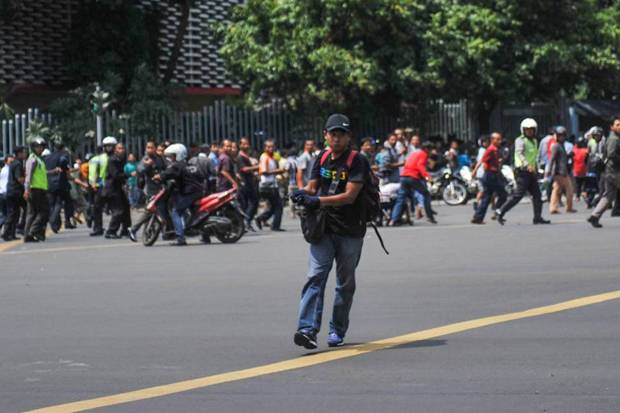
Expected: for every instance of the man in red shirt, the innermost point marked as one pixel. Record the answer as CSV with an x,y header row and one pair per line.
x,y
413,179
492,180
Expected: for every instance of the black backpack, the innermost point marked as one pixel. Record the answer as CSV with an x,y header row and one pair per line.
x,y
370,199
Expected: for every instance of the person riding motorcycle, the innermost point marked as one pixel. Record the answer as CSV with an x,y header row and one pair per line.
x,y
188,187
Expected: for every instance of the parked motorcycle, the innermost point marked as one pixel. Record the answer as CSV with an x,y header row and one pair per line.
x,y
448,186
216,214
472,183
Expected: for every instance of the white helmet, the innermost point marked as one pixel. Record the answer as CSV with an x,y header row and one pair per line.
x,y
528,123
178,150
109,140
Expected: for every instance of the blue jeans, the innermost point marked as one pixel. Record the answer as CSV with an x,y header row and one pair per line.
x,y
134,193
414,189
181,204
493,184
346,251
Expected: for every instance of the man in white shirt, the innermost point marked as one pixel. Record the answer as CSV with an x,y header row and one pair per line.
x,y
4,180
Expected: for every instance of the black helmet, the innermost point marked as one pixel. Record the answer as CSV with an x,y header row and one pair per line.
x,y
37,141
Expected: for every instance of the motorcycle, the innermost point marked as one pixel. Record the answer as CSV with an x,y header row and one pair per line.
x,y
449,186
509,178
471,182
216,214
387,197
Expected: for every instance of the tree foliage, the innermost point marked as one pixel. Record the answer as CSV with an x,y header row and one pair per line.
x,y
382,53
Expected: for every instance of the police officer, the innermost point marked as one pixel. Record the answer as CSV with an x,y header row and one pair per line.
x,y
35,193
525,159
97,173
115,196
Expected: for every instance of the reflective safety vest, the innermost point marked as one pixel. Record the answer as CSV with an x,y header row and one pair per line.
x,y
530,152
103,166
39,174
93,170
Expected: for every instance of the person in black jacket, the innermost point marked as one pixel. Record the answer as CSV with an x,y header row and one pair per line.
x,y
15,194
115,195
188,187
59,189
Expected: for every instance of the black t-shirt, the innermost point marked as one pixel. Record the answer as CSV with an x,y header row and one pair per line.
x,y
248,179
16,171
58,181
226,165
347,219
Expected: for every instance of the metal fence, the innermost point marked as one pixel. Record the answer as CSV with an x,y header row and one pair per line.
x,y
223,120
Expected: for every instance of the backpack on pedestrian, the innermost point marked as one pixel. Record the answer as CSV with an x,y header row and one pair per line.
x,y
370,199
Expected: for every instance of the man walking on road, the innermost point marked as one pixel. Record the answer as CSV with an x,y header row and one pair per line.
x,y
526,153
612,173
492,179
334,185
558,171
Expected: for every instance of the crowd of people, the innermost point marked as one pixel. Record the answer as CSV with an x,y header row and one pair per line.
x,y
42,184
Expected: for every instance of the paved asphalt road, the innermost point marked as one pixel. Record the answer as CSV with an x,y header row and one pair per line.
x,y
82,318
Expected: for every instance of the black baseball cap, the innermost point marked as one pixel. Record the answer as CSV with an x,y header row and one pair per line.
x,y
338,121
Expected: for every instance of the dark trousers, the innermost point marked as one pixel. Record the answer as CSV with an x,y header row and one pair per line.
x,y
493,185
98,205
58,200
272,196
248,200
120,213
527,182
2,209
37,213
14,204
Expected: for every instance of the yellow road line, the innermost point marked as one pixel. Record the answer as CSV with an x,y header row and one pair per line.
x,y
5,246
74,248
320,358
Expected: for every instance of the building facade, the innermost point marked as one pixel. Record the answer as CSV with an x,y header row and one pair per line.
x,y
33,41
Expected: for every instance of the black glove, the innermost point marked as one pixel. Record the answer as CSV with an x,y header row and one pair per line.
x,y
297,194
309,201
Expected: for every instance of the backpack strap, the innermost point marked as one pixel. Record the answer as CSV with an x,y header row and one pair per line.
x,y
352,156
327,152
372,224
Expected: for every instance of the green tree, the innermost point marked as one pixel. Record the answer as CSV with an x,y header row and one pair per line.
x,y
376,55
334,54
149,98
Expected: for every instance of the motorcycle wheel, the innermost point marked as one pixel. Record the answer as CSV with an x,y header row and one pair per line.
x,y
454,193
237,227
151,231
